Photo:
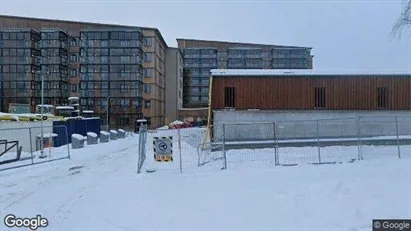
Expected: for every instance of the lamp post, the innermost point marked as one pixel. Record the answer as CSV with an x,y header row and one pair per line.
x,y
41,118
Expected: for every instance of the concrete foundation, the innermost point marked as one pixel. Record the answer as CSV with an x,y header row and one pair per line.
x,y
23,132
259,125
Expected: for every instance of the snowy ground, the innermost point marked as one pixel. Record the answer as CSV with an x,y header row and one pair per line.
x,y
98,189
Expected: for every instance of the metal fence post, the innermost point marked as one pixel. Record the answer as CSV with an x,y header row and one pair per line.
x,y
318,142
277,162
358,138
398,137
31,147
179,149
68,144
138,152
224,153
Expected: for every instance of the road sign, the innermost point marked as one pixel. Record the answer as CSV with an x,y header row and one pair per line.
x,y
163,148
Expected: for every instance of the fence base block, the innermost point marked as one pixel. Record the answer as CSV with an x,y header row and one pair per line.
x,y
150,170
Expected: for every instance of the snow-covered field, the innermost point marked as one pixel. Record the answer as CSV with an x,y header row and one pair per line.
x,y
98,189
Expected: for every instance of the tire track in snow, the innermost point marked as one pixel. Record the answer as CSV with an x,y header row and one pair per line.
x,y
23,195
63,211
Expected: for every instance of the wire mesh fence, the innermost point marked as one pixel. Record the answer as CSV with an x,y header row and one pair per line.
x,y
21,147
142,141
285,143
314,141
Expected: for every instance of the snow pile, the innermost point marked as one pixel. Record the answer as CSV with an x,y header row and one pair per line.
x,y
92,134
163,128
177,122
113,131
121,130
47,135
64,108
105,133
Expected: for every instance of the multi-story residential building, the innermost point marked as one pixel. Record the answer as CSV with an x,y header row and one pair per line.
x,y
174,82
200,56
111,67
19,67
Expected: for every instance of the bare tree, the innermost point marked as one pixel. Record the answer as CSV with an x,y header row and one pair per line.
x,y
404,21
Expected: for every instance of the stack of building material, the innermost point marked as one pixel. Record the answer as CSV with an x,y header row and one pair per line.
x,y
121,134
92,138
113,135
104,137
77,141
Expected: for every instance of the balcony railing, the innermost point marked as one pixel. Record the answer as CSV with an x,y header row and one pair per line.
x,y
188,56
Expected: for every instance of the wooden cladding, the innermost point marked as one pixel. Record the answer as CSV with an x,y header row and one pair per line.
x,y
319,97
312,92
382,93
229,97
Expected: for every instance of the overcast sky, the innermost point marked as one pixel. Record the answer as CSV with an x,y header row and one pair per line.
x,y
344,34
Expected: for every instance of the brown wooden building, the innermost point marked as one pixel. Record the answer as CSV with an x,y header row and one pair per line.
x,y
336,99
310,90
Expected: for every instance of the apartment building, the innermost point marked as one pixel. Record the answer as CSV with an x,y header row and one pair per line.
x,y
200,56
174,82
111,67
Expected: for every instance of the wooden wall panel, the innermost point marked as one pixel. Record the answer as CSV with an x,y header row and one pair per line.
x,y
297,93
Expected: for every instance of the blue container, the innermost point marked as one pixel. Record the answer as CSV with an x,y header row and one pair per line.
x,y
80,127
60,130
93,125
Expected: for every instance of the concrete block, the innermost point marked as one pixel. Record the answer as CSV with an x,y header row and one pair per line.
x,y
113,135
92,138
77,141
104,137
121,134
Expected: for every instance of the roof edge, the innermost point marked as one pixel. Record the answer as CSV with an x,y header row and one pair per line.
x,y
83,22
243,43
305,72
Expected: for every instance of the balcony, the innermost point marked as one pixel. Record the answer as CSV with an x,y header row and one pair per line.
x,y
254,53
208,53
192,65
236,54
208,65
235,66
191,56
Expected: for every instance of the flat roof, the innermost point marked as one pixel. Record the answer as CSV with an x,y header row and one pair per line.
x,y
88,23
305,72
240,43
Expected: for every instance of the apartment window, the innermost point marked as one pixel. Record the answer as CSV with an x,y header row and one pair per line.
x,y
73,58
148,57
73,42
124,121
125,58
382,100
148,42
73,73
147,103
320,97
147,88
148,73
74,88
229,97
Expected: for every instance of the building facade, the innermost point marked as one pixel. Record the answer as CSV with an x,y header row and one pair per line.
x,y
240,96
111,67
200,56
174,81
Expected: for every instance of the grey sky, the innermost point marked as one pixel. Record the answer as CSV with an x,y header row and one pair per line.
x,y
343,34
